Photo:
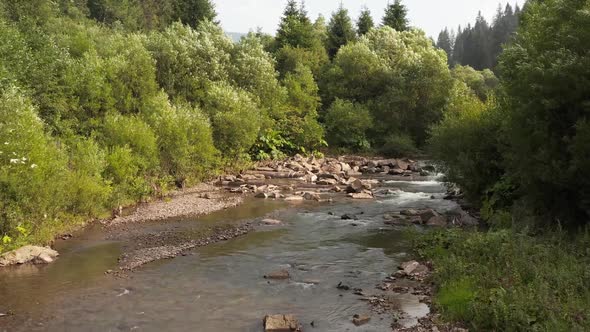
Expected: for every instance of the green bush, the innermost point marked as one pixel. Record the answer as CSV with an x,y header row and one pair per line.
x,y
87,192
235,118
468,142
398,145
31,168
547,78
347,124
184,138
134,133
507,281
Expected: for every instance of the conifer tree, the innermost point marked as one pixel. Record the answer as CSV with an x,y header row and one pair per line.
x,y
445,44
192,12
295,29
340,31
396,16
365,22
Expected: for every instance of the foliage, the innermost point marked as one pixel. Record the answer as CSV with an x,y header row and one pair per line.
x,y
479,46
399,76
546,81
396,16
235,119
481,82
365,22
347,124
340,31
398,145
468,141
508,281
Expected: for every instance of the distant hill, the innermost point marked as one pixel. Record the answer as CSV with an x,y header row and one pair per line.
x,y
235,36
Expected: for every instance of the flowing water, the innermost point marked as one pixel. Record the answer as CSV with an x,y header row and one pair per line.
x,y
221,287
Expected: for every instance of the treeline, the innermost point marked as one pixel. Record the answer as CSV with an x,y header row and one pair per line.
x,y
479,46
105,103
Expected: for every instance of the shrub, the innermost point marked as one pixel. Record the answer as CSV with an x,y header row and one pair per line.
x,y
508,281
468,142
347,124
398,145
235,118
185,140
31,168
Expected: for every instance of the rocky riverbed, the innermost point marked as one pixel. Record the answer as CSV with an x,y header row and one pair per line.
x,y
326,252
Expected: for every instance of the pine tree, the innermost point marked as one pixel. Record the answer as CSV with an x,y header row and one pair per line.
x,y
295,29
396,16
340,31
445,44
365,22
458,47
192,12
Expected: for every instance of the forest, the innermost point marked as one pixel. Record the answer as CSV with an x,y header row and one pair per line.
x,y
106,103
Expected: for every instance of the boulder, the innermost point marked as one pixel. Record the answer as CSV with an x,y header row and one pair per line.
x,y
278,275
345,167
409,212
437,221
29,254
356,186
404,165
426,215
281,323
261,195
308,196
359,320
413,268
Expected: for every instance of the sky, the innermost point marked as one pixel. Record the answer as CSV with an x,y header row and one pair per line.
x,y
429,15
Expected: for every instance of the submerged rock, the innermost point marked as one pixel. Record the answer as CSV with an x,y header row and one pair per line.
x,y
29,254
281,323
359,320
272,222
278,275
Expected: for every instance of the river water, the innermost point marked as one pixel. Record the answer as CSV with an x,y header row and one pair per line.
x,y
221,287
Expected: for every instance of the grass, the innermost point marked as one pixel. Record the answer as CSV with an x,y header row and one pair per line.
x,y
508,281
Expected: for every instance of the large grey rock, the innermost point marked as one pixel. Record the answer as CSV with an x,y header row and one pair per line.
x,y
404,165
29,254
355,186
426,215
281,323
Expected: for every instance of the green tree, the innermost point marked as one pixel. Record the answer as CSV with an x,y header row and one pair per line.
x,y
444,43
547,79
396,16
340,31
365,22
347,125
193,12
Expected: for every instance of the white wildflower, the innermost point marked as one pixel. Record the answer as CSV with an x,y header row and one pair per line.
x,y
14,161
33,165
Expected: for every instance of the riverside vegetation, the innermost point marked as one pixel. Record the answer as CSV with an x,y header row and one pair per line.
x,y
107,103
